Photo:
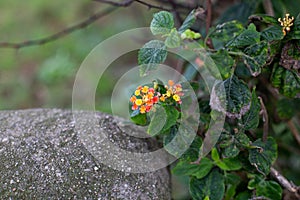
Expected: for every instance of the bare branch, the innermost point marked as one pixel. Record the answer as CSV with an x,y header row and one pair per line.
x,y
294,130
268,6
127,3
174,6
152,6
60,34
208,15
285,183
179,5
265,116
81,25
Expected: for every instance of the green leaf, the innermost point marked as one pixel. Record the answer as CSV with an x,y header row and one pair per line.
x,y
236,98
225,32
273,49
232,181
251,119
162,23
224,62
272,33
151,54
161,119
232,143
288,81
268,189
295,33
192,154
226,164
188,22
245,38
242,139
291,84
215,155
286,108
211,185
264,155
231,151
138,118
277,76
296,28
256,57
297,22
243,195
229,164
197,170
179,139
173,40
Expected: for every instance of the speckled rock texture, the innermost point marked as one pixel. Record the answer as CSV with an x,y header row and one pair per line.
x,y
41,157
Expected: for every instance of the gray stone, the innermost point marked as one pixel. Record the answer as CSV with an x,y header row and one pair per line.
x,y
42,157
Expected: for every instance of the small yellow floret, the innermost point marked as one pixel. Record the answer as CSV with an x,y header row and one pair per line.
x,y
169,93
142,109
162,98
176,97
145,89
139,102
137,93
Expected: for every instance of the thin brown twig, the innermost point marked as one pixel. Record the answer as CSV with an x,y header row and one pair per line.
x,y
285,183
81,25
294,130
208,15
124,3
174,6
152,6
265,116
268,6
127,3
59,34
179,5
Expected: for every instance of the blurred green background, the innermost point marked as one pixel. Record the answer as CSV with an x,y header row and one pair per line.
x,y
43,76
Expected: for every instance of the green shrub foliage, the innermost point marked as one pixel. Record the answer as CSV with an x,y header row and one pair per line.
x,y
258,67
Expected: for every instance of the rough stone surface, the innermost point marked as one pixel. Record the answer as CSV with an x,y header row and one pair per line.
x,y
41,157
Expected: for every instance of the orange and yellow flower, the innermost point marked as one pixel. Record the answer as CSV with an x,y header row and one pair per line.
x,y
146,97
174,91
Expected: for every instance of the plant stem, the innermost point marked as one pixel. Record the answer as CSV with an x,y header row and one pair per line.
x,y
294,130
285,183
268,6
265,116
208,15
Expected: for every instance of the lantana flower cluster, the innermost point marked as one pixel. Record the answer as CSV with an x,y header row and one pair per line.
x,y
146,97
174,91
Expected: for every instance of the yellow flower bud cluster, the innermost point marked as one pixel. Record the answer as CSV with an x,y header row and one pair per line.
x,y
145,97
286,23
